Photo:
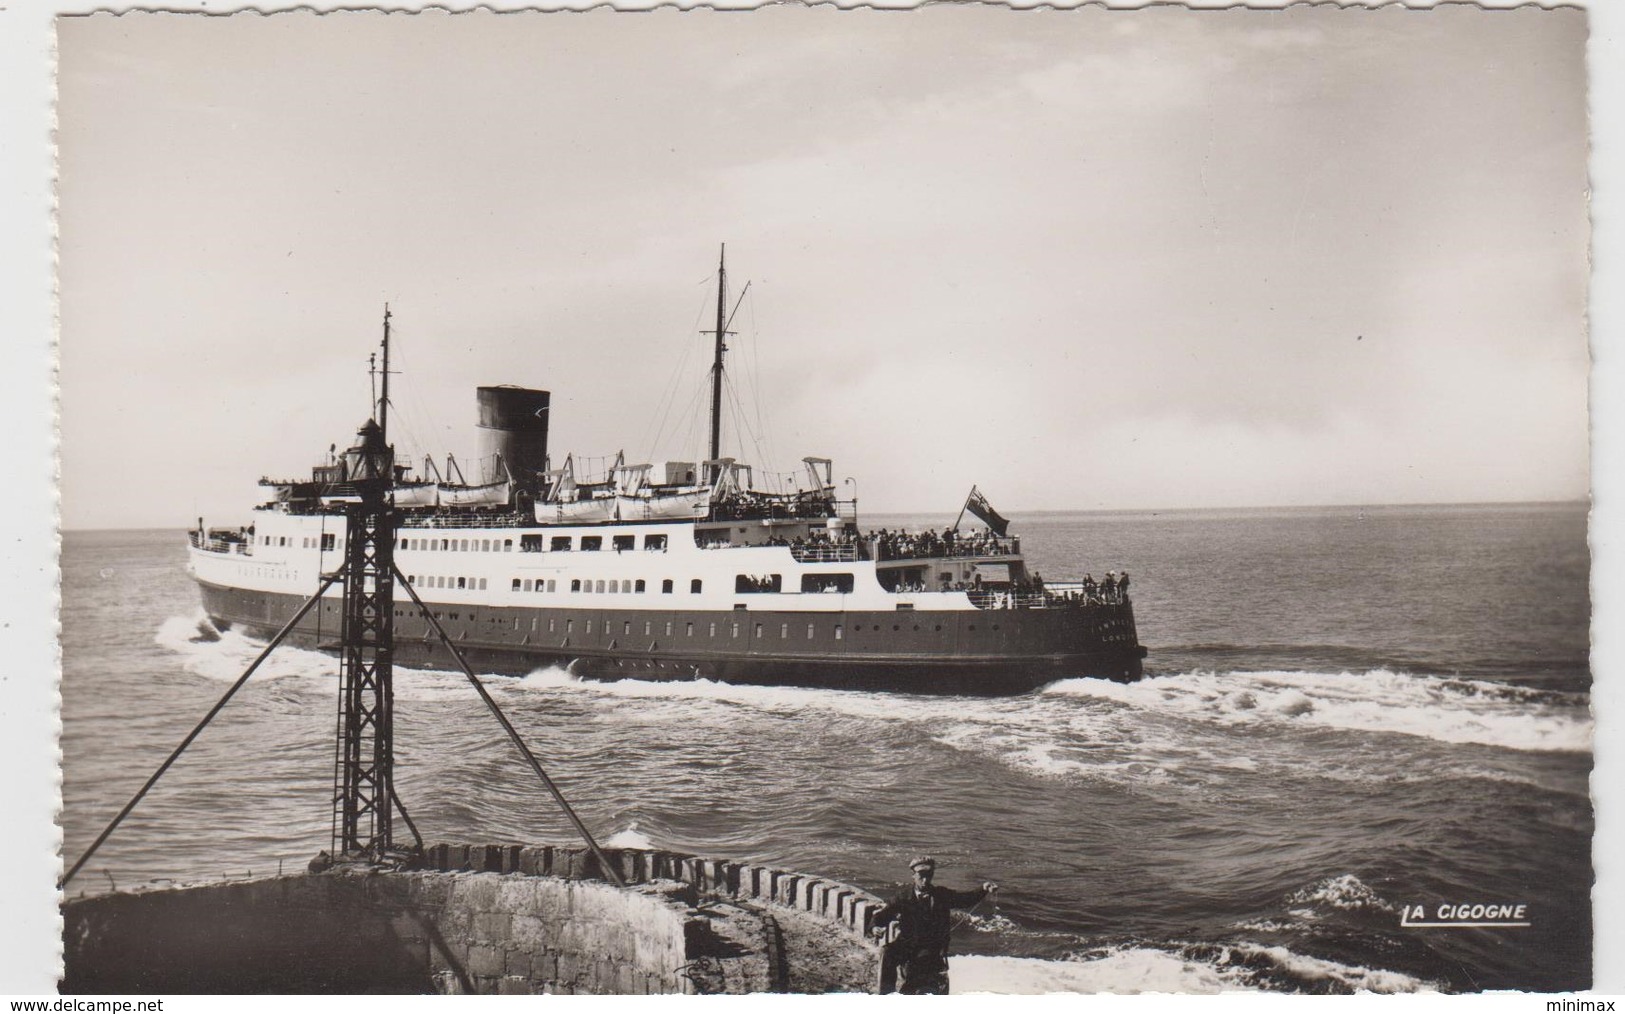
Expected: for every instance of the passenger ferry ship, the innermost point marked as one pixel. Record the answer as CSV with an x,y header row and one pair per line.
x,y
679,571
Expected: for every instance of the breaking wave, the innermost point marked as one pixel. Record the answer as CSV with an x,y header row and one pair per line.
x,y
1448,710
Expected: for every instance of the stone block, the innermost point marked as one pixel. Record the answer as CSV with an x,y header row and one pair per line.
x,y
617,978
456,858
510,858
513,985
528,930
784,887
448,983
571,968
486,961
574,864
730,879
436,856
477,892
544,965
492,927
516,961
490,859
538,859
843,905
626,864
518,894
863,915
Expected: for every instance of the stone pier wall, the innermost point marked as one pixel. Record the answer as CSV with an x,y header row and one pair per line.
x,y
838,904
473,919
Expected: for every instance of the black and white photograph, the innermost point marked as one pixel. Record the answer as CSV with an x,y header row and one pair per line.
x,y
951,500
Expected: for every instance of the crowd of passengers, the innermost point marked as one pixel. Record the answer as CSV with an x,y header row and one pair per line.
x,y
758,505
889,545
1032,591
929,544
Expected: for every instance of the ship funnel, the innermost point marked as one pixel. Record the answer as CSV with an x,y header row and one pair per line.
x,y
513,424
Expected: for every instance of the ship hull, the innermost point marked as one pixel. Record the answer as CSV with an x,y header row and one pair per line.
x,y
984,652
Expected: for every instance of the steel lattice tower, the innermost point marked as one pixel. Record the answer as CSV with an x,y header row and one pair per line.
x,y
363,776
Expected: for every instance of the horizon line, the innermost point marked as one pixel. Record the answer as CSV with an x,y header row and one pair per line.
x,y
1586,502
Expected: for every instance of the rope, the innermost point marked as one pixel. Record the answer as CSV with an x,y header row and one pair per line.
x,y
989,896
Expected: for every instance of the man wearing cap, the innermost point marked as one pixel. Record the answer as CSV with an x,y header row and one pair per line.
x,y
916,925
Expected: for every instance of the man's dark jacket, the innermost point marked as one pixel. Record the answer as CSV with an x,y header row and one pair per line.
x,y
925,919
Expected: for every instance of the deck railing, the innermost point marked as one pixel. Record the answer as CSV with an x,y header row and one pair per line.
x,y
826,553
241,547
1052,595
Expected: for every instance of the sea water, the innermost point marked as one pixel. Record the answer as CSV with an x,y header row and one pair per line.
x,y
1348,712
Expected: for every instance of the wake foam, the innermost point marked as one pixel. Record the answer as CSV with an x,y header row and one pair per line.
x,y
1176,968
629,838
1131,970
1447,710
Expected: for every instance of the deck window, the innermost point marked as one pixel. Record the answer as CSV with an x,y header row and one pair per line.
x,y
463,545
600,587
327,541
694,586
784,631
810,629
530,543
665,586
592,543
507,545
516,585
655,542
713,632
689,631
638,586
558,544
838,631
462,582
482,584
575,584
614,586
622,543
551,584
758,583
841,583
485,545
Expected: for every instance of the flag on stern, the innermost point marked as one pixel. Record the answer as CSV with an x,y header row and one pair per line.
x,y
977,504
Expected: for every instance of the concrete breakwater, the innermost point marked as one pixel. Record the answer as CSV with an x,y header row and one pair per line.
x,y
484,919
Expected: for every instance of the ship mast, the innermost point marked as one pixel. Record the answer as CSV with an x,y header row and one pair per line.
x,y
383,398
712,471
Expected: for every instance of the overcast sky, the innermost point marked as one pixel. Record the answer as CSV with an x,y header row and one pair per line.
x,y
1125,259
